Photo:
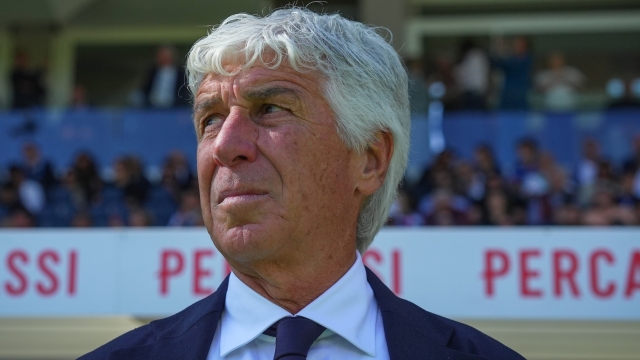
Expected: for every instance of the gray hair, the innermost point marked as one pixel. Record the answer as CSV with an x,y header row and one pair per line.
x,y
365,82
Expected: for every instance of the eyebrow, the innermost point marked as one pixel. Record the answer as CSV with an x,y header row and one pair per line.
x,y
259,94
262,94
206,104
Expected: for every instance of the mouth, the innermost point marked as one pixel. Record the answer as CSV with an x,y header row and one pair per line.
x,y
241,196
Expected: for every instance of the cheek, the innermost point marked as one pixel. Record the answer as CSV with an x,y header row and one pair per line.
x,y
206,168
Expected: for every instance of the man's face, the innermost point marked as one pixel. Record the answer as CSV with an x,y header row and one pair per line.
x,y
276,181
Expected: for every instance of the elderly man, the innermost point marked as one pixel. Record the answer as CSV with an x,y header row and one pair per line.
x,y
303,132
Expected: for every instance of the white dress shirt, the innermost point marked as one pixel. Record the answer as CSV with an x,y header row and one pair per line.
x,y
348,310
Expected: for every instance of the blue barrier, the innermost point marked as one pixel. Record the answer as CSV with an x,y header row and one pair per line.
x,y
107,134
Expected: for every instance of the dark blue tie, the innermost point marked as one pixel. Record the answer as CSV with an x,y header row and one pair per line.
x,y
294,336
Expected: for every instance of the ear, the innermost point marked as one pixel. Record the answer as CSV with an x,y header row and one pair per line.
x,y
375,163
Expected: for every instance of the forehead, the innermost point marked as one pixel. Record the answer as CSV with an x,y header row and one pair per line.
x,y
258,75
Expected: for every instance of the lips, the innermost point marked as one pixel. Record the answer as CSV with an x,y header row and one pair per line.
x,y
241,195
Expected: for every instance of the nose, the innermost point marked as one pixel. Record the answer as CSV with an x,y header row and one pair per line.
x,y
236,141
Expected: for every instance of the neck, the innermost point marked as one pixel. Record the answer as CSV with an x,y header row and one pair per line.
x,y
294,286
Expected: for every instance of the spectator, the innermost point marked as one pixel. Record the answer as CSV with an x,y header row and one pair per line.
x,y
516,71
586,172
443,210
79,97
527,162
81,220
403,210
37,168
497,209
559,84
632,163
85,178
188,213
130,180
139,217
472,76
9,199
587,169
19,218
470,183
27,84
176,174
30,193
605,212
165,83
567,214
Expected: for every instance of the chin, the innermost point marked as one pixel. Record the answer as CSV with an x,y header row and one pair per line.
x,y
245,243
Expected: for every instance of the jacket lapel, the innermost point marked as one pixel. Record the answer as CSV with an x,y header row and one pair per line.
x,y
186,335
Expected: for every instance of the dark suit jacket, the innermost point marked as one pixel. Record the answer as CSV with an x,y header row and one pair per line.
x,y
411,333
181,96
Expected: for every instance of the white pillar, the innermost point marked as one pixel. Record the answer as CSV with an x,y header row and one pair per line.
x,y
62,71
6,62
390,14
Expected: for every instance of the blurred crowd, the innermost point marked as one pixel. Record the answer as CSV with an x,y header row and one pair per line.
x,y
503,76
451,191
538,191
34,195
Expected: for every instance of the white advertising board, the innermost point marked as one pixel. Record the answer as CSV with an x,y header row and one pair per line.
x,y
490,273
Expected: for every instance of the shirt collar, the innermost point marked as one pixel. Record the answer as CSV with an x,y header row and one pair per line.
x,y
348,308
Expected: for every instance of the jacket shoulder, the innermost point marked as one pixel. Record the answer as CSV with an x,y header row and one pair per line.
x,y
461,338
197,321
137,337
412,332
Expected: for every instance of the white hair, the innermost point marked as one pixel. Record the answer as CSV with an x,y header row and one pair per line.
x,y
365,82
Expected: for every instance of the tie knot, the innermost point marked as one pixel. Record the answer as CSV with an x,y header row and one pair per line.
x,y
294,336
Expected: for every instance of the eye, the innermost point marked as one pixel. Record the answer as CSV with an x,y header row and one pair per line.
x,y
211,122
271,108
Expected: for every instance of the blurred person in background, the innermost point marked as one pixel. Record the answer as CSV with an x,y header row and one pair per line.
x,y
36,167
527,161
445,209
604,211
472,76
30,193
469,182
165,86
176,174
586,171
403,210
560,187
129,178
82,220
140,217
632,163
85,178
27,84
485,161
188,213
19,218
516,65
560,84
